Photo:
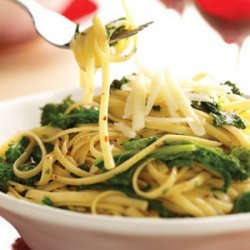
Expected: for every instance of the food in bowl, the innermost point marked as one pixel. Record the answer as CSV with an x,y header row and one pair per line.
x,y
187,157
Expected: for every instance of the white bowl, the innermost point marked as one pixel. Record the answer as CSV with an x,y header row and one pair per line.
x,y
45,228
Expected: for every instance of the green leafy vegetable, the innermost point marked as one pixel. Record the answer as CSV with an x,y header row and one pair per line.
x,y
234,165
163,212
141,143
172,152
118,158
117,84
131,148
123,179
235,90
229,166
47,201
242,203
116,33
112,26
50,111
37,154
208,107
242,155
115,29
54,115
227,118
6,174
219,117
156,108
16,149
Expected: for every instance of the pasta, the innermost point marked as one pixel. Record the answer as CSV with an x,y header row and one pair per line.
x,y
147,146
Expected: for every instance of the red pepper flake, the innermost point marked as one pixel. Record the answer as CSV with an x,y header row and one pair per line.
x,y
104,118
207,196
68,153
106,138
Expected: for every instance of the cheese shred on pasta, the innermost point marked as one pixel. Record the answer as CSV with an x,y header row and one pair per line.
x,y
147,146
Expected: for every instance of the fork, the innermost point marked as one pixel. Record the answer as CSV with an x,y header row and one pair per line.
x,y
59,30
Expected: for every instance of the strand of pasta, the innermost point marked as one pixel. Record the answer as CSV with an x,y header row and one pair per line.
x,y
100,197
156,193
103,116
72,168
23,158
119,169
46,169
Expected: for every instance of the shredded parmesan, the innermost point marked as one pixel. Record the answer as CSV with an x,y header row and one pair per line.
x,y
184,105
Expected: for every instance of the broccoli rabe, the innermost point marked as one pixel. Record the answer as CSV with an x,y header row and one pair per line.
x,y
14,151
54,115
6,174
232,165
113,25
47,201
229,166
235,90
51,111
156,108
37,153
17,148
117,33
131,148
118,158
219,117
115,29
242,203
117,84
140,143
242,155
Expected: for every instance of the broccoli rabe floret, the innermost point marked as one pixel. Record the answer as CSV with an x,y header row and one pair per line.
x,y
131,148
140,143
219,117
37,153
54,115
242,203
242,155
6,174
227,118
232,165
16,149
215,159
51,111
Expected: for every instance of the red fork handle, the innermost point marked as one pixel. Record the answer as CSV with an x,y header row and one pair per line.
x,y
78,9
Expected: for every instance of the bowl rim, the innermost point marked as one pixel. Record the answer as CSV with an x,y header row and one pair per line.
x,y
116,225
